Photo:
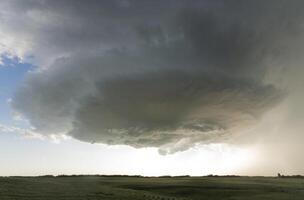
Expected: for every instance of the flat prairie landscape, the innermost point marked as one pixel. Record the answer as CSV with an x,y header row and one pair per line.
x,y
161,188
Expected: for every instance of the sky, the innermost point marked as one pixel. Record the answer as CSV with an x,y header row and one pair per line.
x,y
151,87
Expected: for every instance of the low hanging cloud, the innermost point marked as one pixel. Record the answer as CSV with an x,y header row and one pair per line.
x,y
195,73
171,109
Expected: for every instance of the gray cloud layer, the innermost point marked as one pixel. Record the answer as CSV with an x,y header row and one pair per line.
x,y
154,74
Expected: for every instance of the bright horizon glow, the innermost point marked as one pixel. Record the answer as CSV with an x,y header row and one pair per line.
x,y
74,157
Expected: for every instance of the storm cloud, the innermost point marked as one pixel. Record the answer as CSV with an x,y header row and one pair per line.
x,y
153,74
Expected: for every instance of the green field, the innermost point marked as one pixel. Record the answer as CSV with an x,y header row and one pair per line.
x,y
163,188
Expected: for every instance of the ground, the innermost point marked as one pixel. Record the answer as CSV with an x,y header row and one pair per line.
x,y
161,188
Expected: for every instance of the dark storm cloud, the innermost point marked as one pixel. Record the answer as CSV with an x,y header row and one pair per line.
x,y
155,74
171,107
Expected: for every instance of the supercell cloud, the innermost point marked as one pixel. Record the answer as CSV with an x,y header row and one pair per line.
x,y
148,73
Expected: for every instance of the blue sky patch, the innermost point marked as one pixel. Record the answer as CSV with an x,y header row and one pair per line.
x,y
12,73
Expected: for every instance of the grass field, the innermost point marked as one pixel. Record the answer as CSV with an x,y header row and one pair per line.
x,y
163,188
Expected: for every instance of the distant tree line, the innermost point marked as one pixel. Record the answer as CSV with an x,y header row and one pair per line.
x,y
289,176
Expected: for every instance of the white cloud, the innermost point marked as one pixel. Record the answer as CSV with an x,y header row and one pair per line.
x,y
24,132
